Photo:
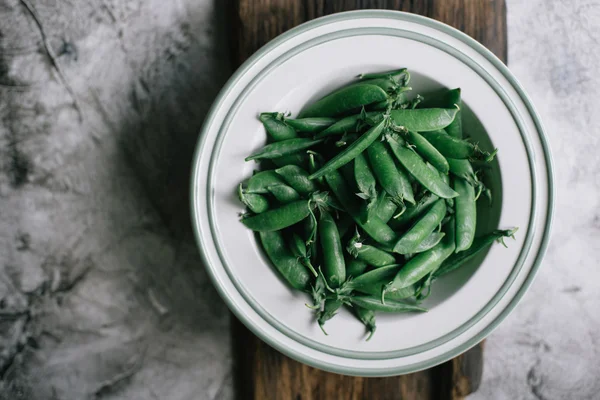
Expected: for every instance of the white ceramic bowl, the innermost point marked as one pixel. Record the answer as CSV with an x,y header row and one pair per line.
x,y
299,67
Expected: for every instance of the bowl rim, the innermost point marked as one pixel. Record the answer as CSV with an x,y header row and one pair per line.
x,y
387,14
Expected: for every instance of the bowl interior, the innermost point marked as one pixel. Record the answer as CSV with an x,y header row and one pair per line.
x,y
305,74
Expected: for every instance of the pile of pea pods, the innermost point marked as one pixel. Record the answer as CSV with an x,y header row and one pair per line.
x,y
367,197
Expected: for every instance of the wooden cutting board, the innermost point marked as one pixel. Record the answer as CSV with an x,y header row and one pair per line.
x,y
262,373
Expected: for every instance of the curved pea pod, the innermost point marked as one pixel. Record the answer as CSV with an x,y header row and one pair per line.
x,y
283,148
255,202
365,181
378,276
376,288
302,251
423,119
357,147
344,125
297,178
286,263
395,74
310,234
369,254
310,125
354,266
385,207
329,311
412,212
260,182
392,178
446,179
419,266
367,317
284,216
284,193
275,126
462,169
344,100
421,229
465,211
388,84
448,99
415,165
480,243
391,306
452,147
374,227
334,266
430,242
428,151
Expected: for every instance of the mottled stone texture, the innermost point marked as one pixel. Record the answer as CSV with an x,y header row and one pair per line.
x,y
549,347
102,292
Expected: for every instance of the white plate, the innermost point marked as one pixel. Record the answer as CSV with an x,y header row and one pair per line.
x,y
300,66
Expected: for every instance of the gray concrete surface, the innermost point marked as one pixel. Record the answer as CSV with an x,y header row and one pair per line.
x,y
102,294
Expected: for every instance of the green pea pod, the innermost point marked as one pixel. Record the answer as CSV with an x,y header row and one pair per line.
x,y
297,178
284,216
480,243
396,100
330,309
255,202
347,155
344,100
392,178
462,169
394,74
299,248
419,266
388,84
455,128
376,288
385,207
275,126
334,266
408,242
259,182
365,181
369,254
284,261
465,210
344,125
284,193
283,148
391,306
430,242
354,266
415,165
310,233
428,151
373,277
310,125
452,147
423,120
447,99
413,212
446,179
374,227
367,317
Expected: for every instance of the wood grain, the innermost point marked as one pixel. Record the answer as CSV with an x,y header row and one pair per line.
x,y
260,371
